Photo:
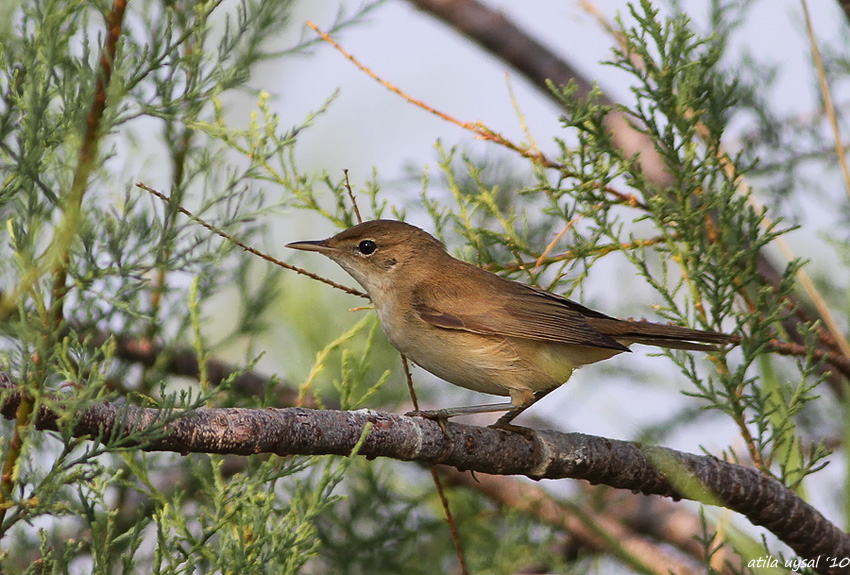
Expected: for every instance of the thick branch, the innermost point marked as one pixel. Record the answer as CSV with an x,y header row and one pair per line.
x,y
539,455
183,361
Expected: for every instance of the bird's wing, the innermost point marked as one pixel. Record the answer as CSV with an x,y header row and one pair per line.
x,y
516,310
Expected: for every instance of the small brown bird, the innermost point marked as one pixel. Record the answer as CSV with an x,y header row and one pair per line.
x,y
478,330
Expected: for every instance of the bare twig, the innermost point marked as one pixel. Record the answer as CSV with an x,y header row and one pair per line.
x,y
435,477
840,362
826,94
88,154
251,250
352,198
409,379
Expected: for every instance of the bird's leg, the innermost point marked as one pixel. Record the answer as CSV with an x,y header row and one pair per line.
x,y
455,411
526,400
520,401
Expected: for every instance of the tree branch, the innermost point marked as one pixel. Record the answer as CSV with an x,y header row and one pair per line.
x,y
664,521
597,531
536,454
183,362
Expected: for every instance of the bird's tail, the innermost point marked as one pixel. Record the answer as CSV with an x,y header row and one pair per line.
x,y
662,335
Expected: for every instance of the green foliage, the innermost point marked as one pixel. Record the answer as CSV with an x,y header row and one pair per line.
x,y
129,260
696,240
275,533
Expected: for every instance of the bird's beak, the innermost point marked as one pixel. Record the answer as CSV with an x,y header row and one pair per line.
x,y
320,246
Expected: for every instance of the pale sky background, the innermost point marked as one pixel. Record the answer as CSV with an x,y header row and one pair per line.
x,y
368,128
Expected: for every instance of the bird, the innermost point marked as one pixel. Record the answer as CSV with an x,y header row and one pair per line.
x,y
478,330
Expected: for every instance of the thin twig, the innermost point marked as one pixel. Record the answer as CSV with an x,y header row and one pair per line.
x,y
555,240
840,362
827,97
441,492
540,65
85,163
571,254
409,379
351,196
520,115
249,249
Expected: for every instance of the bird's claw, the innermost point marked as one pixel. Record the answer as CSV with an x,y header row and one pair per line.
x,y
527,432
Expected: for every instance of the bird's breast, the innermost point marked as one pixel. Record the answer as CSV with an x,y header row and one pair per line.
x,y
487,363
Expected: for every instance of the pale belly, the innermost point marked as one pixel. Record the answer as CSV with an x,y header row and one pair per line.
x,y
494,364
487,364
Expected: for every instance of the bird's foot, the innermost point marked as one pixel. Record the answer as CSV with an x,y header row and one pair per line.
x,y
434,414
441,416
527,432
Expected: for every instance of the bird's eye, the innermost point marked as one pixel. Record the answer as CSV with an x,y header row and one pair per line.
x,y
367,247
